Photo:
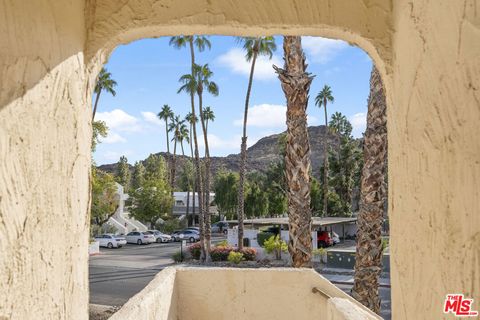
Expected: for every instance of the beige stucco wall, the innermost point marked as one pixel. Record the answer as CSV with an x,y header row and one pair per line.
x,y
50,51
241,294
44,161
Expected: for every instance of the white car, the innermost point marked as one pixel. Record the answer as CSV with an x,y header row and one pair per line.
x,y
140,237
111,241
335,238
159,236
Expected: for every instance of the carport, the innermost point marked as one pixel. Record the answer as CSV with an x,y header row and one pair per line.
x,y
326,223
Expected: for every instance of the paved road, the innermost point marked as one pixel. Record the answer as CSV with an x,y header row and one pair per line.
x,y
115,275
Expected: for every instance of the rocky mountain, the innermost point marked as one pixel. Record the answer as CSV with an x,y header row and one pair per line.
x,y
263,153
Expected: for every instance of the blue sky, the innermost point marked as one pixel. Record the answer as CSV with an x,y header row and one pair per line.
x,y
147,73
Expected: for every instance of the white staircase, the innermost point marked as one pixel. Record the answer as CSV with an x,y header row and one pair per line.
x,y
121,220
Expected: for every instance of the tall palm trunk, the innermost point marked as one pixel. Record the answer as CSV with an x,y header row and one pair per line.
x,y
206,199
181,145
194,186
188,205
296,85
166,132
243,158
325,163
204,252
95,105
172,178
368,258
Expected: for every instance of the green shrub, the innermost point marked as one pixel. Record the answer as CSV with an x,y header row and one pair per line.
x,y
235,257
275,245
250,254
195,250
262,237
220,253
177,256
384,244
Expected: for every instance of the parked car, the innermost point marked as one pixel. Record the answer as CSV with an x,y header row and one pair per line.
x,y
324,239
193,228
111,241
220,227
190,235
140,237
159,236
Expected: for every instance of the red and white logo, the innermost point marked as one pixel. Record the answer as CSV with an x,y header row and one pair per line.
x,y
459,305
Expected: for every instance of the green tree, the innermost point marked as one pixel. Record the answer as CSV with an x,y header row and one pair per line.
x,y
123,175
324,96
253,48
104,197
177,127
100,129
155,168
316,196
138,176
104,83
225,188
256,200
152,201
166,114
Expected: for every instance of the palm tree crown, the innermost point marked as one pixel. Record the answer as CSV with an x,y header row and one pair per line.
x,y
263,46
324,96
208,115
166,114
105,82
201,42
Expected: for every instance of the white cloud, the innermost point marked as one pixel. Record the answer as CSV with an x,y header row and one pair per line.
x,y
152,118
119,120
268,116
359,123
322,50
113,137
234,59
220,145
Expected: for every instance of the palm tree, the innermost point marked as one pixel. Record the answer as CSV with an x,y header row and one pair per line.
x,y
296,85
368,258
175,128
201,42
253,47
208,115
324,96
183,135
104,83
203,75
192,120
166,114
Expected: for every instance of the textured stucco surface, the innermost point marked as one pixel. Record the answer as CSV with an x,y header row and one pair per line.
x,y
50,52
241,294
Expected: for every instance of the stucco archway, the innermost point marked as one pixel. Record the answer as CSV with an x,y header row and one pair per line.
x,y
427,53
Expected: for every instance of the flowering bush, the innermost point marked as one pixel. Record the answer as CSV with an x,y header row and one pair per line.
x,y
235,257
220,253
195,250
250,254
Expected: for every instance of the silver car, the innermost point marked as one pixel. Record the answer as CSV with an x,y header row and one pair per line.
x,y
190,235
159,236
139,237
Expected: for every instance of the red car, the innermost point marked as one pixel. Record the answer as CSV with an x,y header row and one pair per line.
x,y
324,239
